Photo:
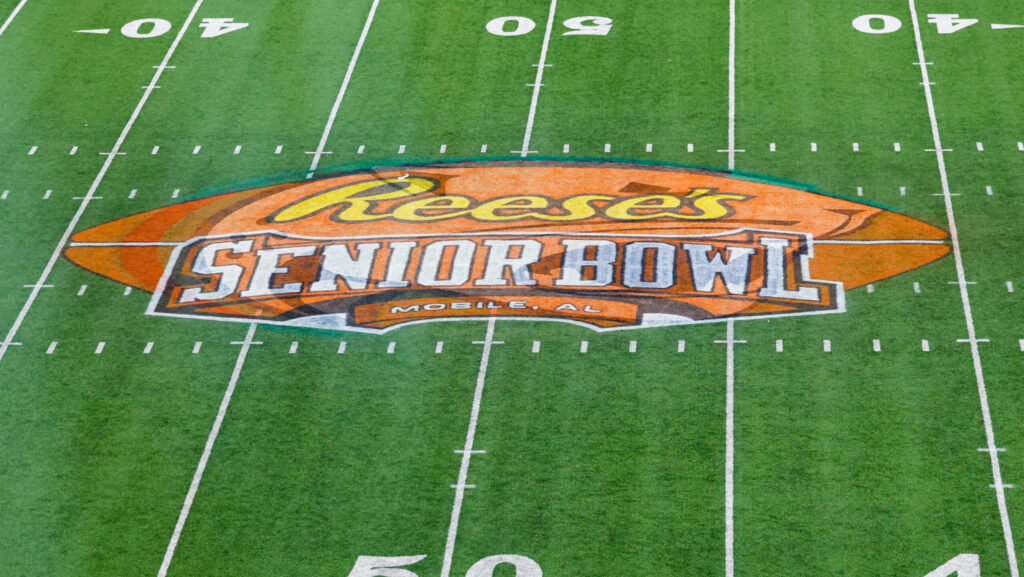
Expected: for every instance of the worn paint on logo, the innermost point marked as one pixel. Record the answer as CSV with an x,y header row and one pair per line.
x,y
604,245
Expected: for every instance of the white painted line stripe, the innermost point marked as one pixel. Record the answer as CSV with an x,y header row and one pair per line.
x,y
981,147
238,149
198,346
197,477
1021,343
903,191
401,149
156,149
10,18
632,346
483,149
294,348
344,88
771,147
870,288
917,288
607,147
81,289
988,190
439,347
391,348
196,150
361,149
814,147
856,147
127,290
649,147
680,346
133,192
896,146
467,450
730,357
565,149
46,195
32,151
826,345
3,195
341,347
531,117
536,346
51,348
1009,286
148,349
986,449
74,151
279,149
59,249
175,193
925,346
876,345
100,346
954,236
1020,146
860,191
584,346
778,345
689,147
444,148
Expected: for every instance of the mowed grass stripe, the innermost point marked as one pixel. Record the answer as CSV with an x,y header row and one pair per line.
x,y
64,91
930,315
97,449
989,224
324,461
878,460
606,462
40,284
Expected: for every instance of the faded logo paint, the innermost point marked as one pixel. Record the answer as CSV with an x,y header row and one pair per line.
x,y
604,245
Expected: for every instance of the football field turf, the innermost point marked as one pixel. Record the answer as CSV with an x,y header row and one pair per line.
x,y
881,441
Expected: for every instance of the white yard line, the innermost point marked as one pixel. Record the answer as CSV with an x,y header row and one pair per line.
x,y
732,85
197,477
467,449
730,446
10,18
537,83
730,344
91,194
992,448
341,92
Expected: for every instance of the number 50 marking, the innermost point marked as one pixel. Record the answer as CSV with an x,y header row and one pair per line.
x,y
578,26
369,566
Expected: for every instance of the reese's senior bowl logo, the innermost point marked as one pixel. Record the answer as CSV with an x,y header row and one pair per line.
x,y
598,244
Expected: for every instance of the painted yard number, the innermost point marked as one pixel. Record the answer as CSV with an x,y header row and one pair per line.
x,y
578,26
884,24
367,566
153,27
965,565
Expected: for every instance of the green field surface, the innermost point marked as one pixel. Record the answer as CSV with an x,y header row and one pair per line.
x,y
884,441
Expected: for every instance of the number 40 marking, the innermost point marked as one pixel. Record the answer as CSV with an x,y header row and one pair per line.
x,y
884,24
